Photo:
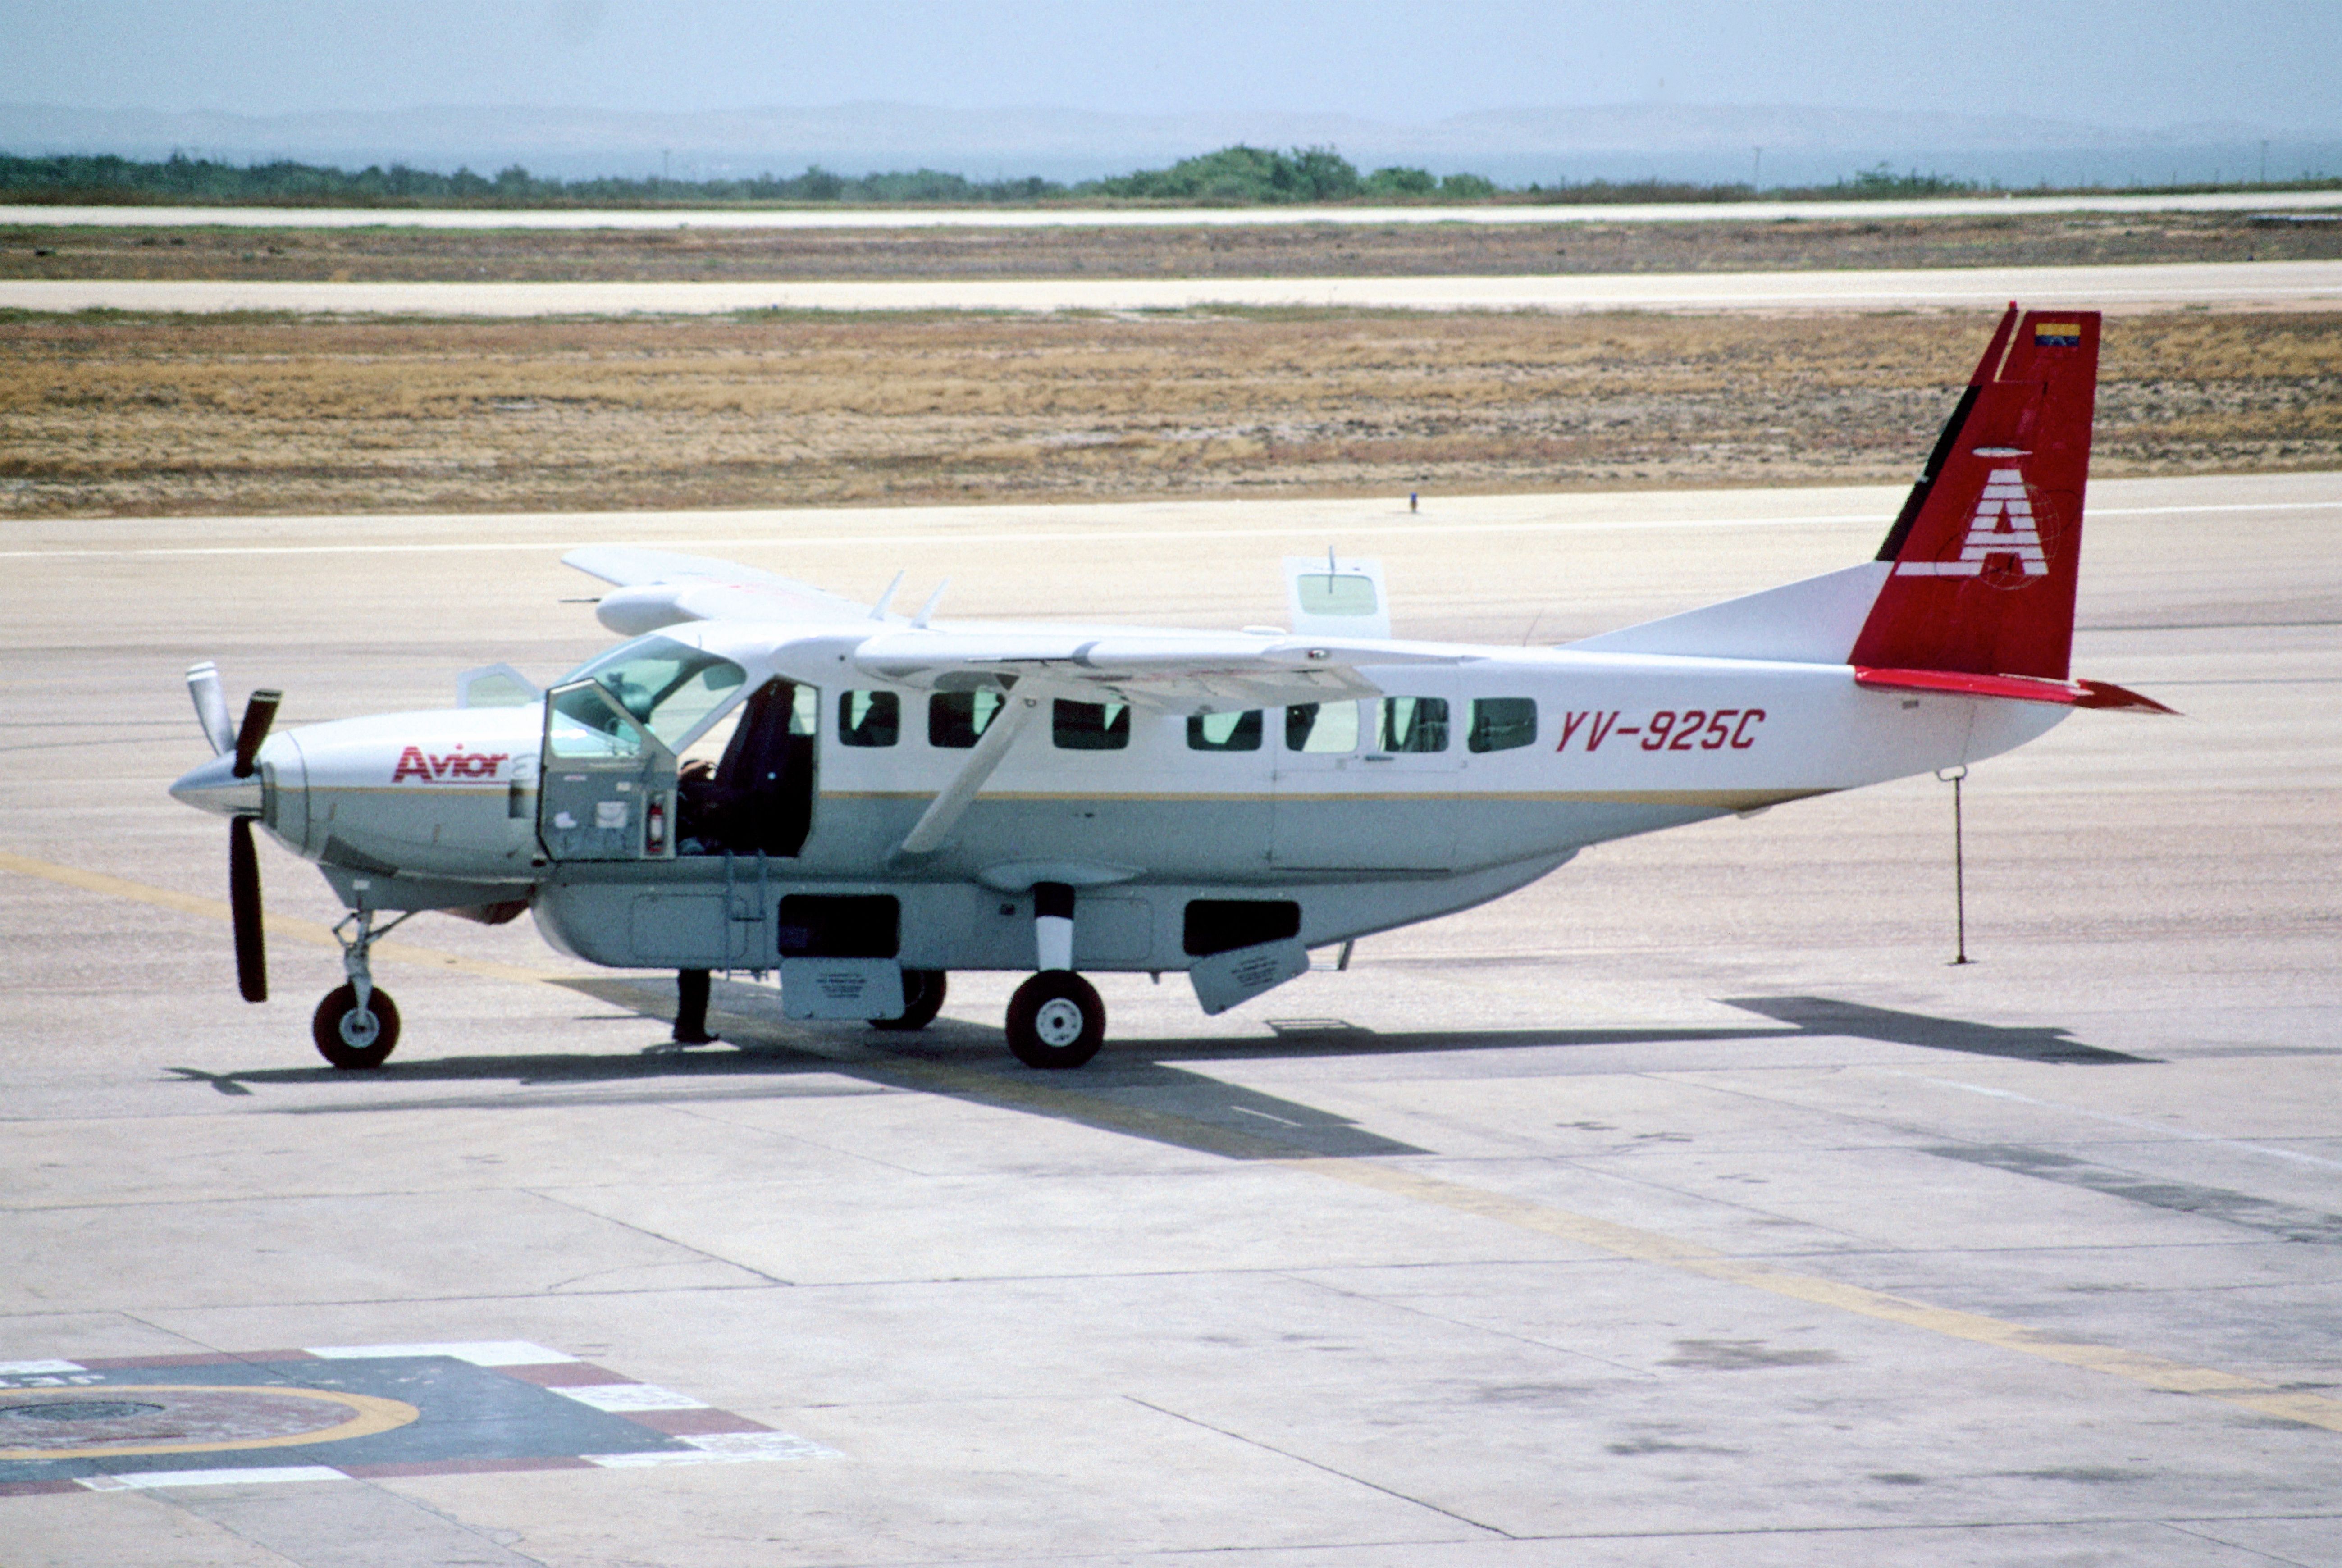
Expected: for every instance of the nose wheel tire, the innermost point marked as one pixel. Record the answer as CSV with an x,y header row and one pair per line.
x,y
349,1038
922,998
1056,1020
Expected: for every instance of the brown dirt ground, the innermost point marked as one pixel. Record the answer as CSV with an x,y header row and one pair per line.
x,y
1299,250
140,416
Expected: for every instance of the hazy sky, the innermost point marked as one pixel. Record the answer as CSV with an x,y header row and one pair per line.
x,y
2132,63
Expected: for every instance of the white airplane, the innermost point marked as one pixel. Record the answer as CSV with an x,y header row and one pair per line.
x,y
767,777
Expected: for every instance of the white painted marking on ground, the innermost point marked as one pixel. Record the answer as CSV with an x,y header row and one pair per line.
x,y
624,1396
761,1446
721,1448
1153,217
32,1368
151,1479
479,1353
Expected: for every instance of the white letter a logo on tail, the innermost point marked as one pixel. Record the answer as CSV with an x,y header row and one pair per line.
x,y
2003,525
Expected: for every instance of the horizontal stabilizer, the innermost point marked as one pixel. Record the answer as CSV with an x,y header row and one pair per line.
x,y
2015,688
1813,622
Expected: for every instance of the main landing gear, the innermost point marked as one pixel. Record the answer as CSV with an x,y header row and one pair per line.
x,y
1055,1019
357,1025
922,998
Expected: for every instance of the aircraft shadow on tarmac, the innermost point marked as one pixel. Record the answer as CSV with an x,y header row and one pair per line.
x,y
1135,1087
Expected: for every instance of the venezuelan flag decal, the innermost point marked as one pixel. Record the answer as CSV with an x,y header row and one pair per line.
x,y
2057,334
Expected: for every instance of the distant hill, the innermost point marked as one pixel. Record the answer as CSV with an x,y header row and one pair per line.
x,y
1514,147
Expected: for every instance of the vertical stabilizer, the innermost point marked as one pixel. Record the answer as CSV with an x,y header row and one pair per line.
x,y
1986,548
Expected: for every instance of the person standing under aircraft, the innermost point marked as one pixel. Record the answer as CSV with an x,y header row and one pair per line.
x,y
691,1008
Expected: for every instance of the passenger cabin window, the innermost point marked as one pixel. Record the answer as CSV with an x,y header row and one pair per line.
x,y
869,718
1332,594
1501,724
1089,727
1321,727
958,719
1223,732
1413,724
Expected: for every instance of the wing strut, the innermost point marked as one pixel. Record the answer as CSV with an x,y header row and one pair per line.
x,y
942,812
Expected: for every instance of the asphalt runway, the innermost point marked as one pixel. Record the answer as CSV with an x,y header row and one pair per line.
x,y
1687,1207
2010,204
2295,285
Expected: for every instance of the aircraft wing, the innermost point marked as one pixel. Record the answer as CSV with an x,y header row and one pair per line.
x,y
1167,671
658,588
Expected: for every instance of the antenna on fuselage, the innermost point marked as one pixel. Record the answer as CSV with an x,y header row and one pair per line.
x,y
878,609
920,619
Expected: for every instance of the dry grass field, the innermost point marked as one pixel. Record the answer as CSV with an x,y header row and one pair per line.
x,y
391,254
105,415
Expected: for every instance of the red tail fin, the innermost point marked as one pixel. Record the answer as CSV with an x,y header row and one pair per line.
x,y
1986,548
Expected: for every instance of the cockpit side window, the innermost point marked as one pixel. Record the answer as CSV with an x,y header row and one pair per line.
x,y
668,686
585,725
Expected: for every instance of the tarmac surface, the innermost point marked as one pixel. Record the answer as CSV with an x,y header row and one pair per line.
x,y
2293,285
838,218
1687,1207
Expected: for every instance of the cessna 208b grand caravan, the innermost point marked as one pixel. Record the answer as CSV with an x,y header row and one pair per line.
x,y
890,798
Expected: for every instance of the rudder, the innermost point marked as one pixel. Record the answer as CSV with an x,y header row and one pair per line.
x,y
1986,547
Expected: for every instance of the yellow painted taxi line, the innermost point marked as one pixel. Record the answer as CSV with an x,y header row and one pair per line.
x,y
309,931
1627,1241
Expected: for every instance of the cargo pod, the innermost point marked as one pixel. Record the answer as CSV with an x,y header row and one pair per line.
x,y
838,955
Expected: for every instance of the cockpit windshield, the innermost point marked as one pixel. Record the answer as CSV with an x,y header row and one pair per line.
x,y
666,686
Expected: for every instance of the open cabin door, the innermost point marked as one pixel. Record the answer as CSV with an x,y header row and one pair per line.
x,y
605,790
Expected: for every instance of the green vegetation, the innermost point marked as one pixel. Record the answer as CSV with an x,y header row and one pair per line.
x,y
111,180
1232,176
1259,176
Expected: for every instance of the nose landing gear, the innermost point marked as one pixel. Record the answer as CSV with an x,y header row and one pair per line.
x,y
357,1025
349,1034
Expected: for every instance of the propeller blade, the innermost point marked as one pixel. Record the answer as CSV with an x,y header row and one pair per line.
x,y
258,715
244,902
211,706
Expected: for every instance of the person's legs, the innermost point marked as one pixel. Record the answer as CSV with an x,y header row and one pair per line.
x,y
691,1008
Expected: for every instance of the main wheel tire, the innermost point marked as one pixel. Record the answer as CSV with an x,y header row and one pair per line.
x,y
922,998
1056,1020
350,1039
